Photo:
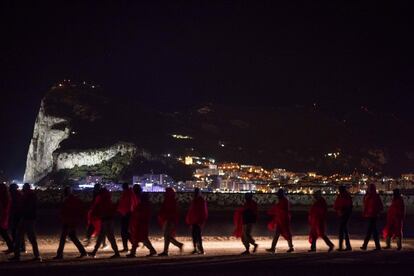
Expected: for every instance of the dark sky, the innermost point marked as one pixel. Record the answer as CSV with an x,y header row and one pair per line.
x,y
176,54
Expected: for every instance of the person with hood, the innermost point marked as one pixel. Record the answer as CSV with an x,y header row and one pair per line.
x,y
280,224
343,207
72,214
5,204
126,204
94,223
16,215
395,216
372,208
244,219
105,210
196,217
317,222
139,226
27,224
168,219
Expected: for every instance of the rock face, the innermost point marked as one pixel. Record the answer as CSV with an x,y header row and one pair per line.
x,y
48,132
68,160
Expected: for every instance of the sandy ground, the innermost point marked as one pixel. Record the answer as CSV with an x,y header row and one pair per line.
x,y
222,253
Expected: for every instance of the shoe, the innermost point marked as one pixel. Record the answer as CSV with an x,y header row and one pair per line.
x,y
130,255
14,259
57,257
37,259
363,248
115,256
331,248
255,246
387,247
8,251
92,254
201,252
152,254
195,252
270,250
163,254
399,248
290,250
245,253
348,249
82,255
312,250
377,249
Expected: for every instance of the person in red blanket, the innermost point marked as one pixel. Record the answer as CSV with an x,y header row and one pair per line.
x,y
168,219
372,208
317,222
27,224
244,219
105,210
343,207
5,204
94,223
139,225
197,217
72,215
16,214
126,204
280,223
395,216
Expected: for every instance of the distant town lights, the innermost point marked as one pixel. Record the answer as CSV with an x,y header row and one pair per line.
x,y
180,136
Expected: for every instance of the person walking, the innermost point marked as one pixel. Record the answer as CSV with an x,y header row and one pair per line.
x,y
94,223
280,224
139,226
343,207
372,208
317,222
27,224
168,219
105,210
5,204
244,220
395,217
126,204
196,217
72,214
16,215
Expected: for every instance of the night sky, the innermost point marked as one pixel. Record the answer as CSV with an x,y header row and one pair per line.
x,y
177,54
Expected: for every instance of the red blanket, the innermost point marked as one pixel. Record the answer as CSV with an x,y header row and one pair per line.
x,y
281,218
198,212
395,217
317,219
139,223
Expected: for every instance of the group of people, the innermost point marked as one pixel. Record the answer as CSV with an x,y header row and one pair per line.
x,y
18,215
246,216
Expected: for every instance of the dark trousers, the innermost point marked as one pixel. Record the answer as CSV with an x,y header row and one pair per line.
x,y
197,239
372,230
147,243
276,238
107,230
6,238
168,236
343,231
325,239
125,230
247,238
89,233
26,226
14,224
71,232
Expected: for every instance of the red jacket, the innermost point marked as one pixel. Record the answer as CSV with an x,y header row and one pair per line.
x,y
5,204
250,208
103,208
127,202
317,219
281,218
72,211
169,210
139,223
198,213
395,217
343,204
372,203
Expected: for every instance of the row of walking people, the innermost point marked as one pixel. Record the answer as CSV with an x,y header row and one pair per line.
x,y
18,209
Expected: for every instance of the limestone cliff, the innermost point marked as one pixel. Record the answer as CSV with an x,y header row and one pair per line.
x,y
48,132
